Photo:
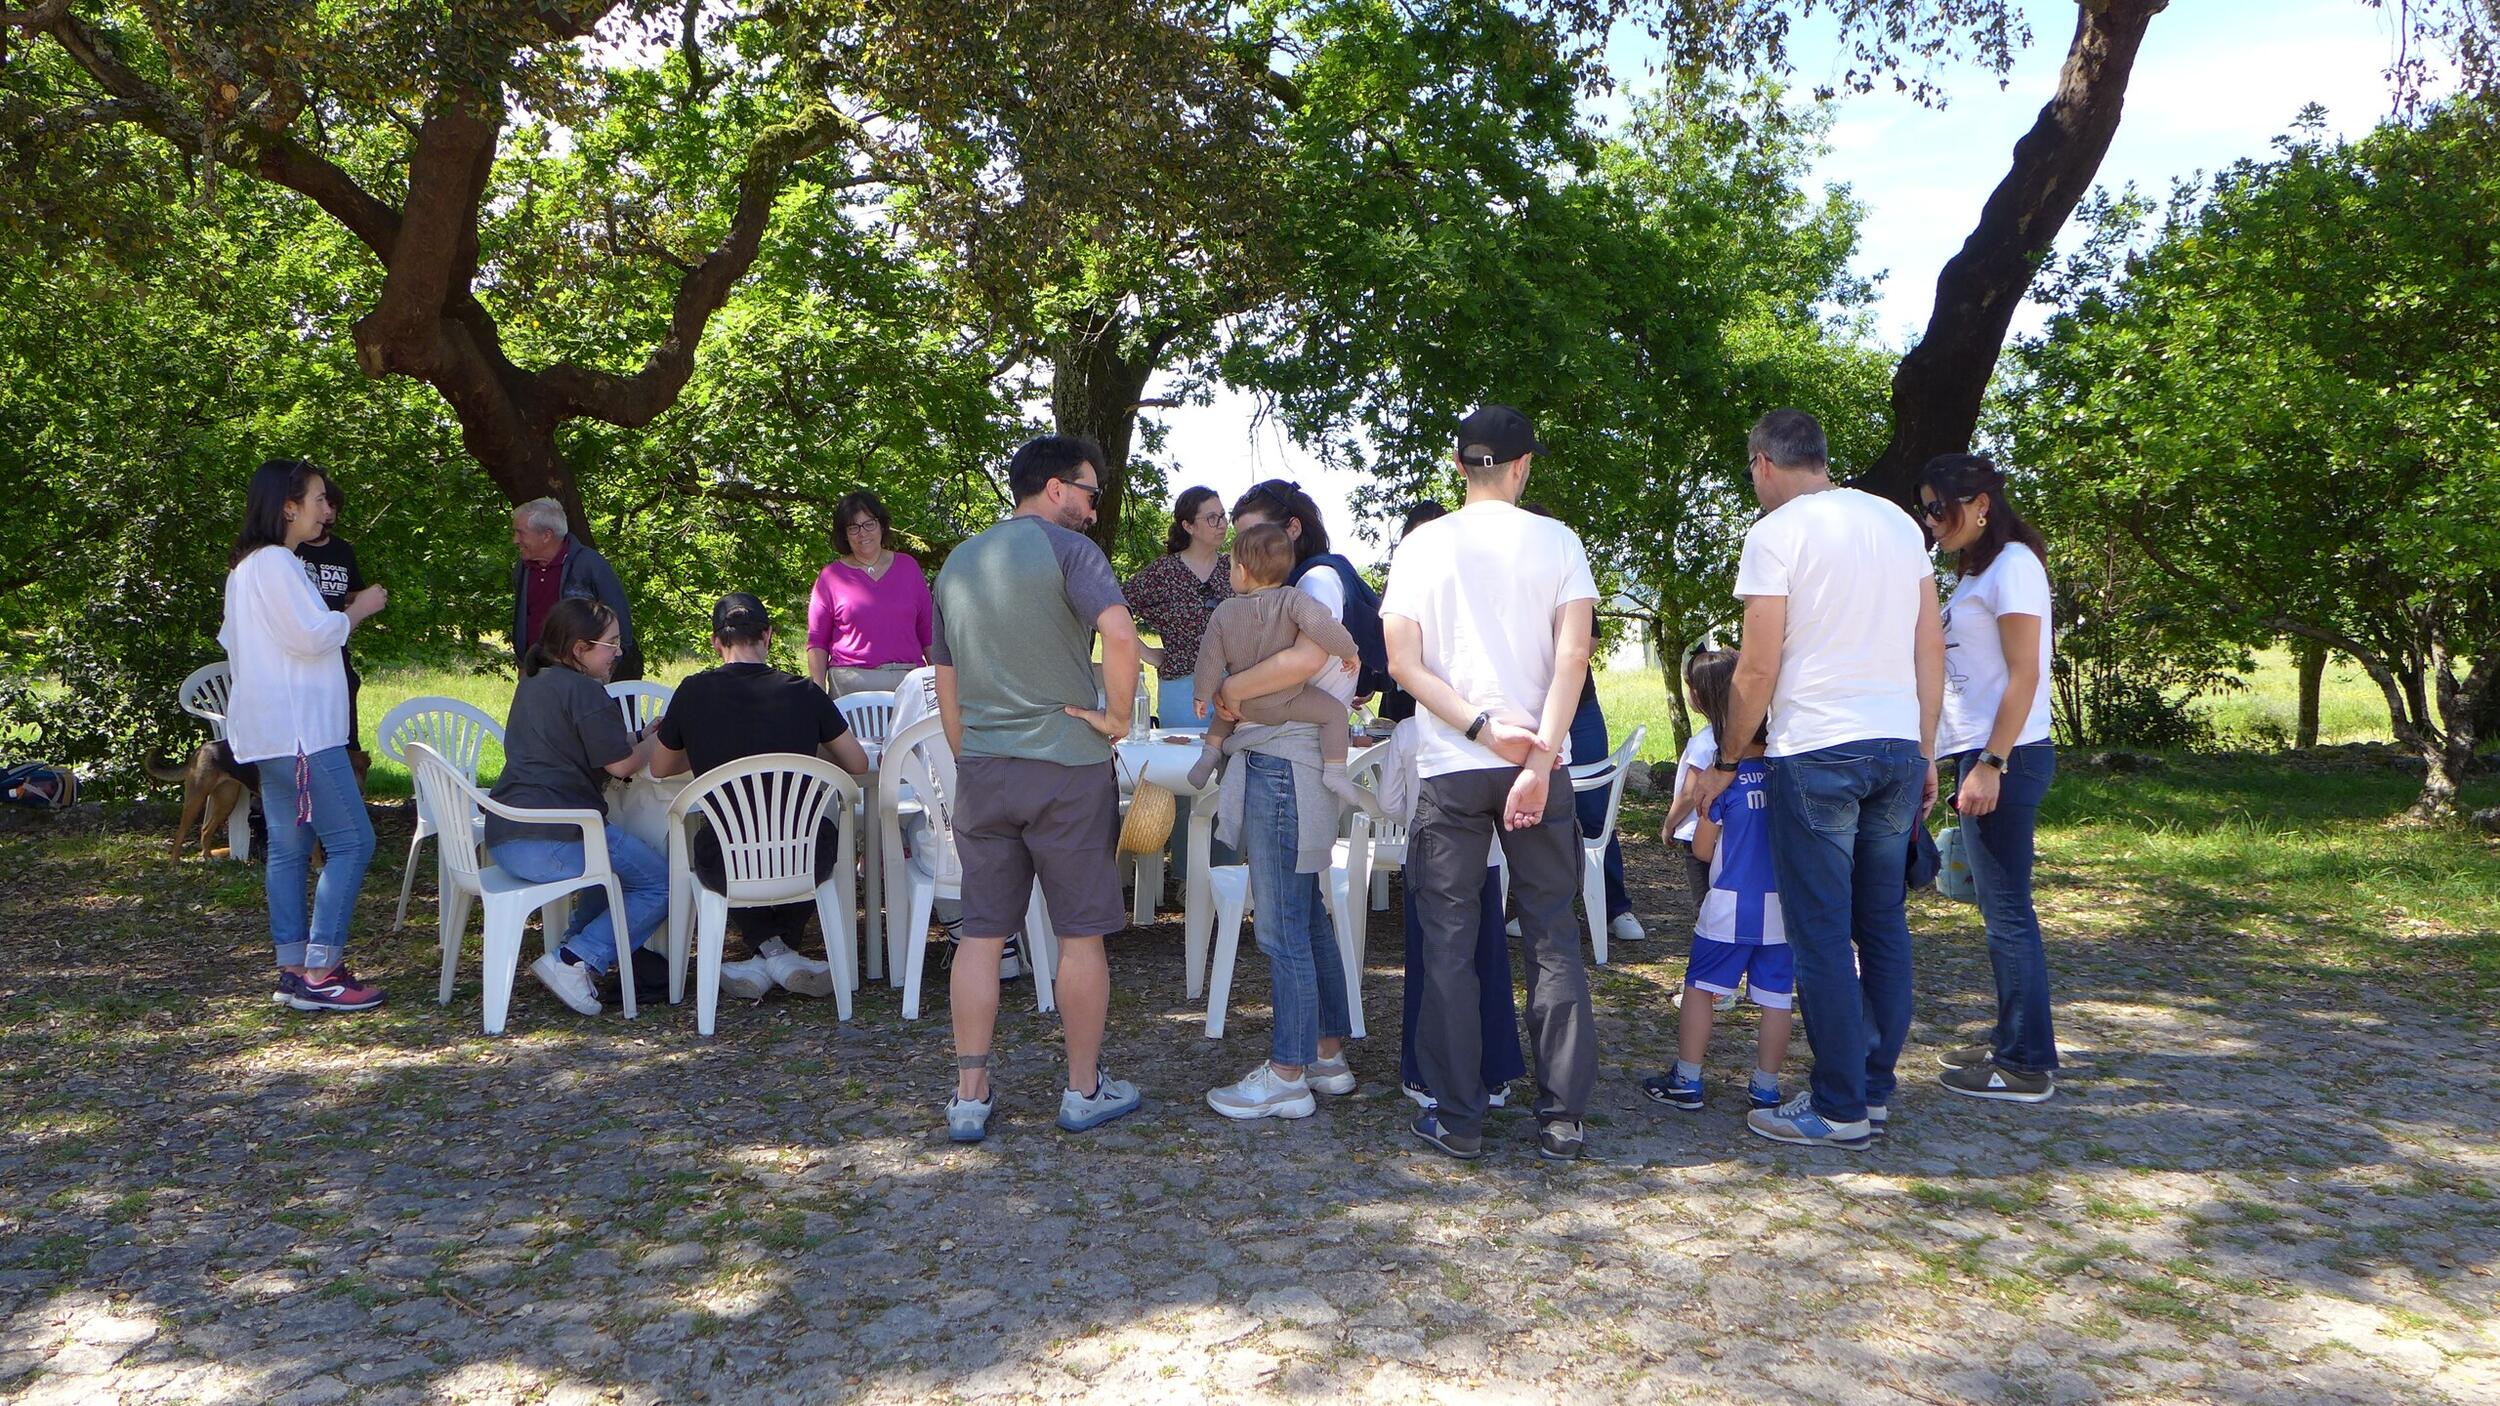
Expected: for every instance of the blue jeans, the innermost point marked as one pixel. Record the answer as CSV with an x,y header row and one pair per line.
x,y
1292,926
2000,866
1589,744
591,937
1497,1007
1840,843
339,822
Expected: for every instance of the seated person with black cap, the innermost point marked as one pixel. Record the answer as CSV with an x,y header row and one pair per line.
x,y
746,708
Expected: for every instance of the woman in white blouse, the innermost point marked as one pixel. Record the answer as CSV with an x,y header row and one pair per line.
x,y
1996,728
287,711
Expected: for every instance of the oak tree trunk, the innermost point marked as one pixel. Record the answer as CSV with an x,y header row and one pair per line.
x,y
1937,390
1099,369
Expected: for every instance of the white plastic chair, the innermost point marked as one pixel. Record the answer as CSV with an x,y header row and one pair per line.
x,y
641,702
1230,886
455,803
205,696
918,761
1607,775
766,811
871,716
458,733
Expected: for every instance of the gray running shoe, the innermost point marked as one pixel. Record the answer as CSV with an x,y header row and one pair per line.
x,y
967,1121
1112,1098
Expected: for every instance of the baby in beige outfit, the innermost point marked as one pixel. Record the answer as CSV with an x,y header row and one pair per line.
x,y
1264,620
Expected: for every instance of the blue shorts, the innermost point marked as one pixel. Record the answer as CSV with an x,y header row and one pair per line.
x,y
1769,971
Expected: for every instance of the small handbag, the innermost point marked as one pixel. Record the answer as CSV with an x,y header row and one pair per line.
x,y
1953,876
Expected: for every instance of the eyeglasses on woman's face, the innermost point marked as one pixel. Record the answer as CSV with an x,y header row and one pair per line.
x,y
1212,517
608,644
867,525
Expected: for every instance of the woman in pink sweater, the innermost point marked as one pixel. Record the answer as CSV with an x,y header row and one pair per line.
x,y
870,617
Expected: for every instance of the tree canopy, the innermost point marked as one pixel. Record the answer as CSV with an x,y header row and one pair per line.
x,y
2287,400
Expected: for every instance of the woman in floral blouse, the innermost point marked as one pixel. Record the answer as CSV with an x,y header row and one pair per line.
x,y
1174,595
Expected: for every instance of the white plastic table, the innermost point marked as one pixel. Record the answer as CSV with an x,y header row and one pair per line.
x,y
1165,759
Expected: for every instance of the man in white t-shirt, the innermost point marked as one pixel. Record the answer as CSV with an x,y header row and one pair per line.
x,y
1845,650
1487,624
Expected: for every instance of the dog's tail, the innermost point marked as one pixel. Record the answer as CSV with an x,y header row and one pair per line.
x,y
164,768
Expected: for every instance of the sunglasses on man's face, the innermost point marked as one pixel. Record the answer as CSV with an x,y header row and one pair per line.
x,y
1092,492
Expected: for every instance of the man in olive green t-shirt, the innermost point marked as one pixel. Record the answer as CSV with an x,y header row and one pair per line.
x,y
1036,799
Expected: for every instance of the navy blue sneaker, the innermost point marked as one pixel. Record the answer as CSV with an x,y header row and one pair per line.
x,y
1464,1147
1763,1097
1674,1090
1796,1121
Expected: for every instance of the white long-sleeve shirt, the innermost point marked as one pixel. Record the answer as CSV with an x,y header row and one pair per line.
x,y
290,681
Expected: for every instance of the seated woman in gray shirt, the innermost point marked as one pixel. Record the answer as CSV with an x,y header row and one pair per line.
x,y
564,737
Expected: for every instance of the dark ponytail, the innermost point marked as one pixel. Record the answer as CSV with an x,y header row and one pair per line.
x,y
1284,501
574,622
1956,477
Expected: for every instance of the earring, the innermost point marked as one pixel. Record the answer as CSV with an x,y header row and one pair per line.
x,y
1983,522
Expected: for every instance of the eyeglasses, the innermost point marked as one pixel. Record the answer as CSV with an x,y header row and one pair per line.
x,y
865,525
609,644
1934,510
1213,519
1092,492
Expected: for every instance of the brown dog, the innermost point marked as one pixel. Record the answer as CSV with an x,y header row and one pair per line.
x,y
210,793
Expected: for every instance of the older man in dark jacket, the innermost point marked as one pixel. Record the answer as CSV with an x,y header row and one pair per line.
x,y
553,565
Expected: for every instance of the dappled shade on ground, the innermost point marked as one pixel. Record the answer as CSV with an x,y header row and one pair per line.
x,y
2269,1176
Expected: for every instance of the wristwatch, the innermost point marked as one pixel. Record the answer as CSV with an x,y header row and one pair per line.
x,y
1724,763
1478,725
1992,759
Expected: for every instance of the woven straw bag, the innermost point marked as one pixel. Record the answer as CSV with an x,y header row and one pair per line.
x,y
1147,827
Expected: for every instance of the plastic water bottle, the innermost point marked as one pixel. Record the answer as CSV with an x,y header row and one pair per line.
x,y
1141,713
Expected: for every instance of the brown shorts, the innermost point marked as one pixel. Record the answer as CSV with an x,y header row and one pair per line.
x,y
1018,819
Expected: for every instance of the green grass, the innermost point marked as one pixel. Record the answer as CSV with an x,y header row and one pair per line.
x,y
2264,713
385,689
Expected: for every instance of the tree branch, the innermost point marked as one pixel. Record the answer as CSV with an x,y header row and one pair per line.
x,y
633,400
272,155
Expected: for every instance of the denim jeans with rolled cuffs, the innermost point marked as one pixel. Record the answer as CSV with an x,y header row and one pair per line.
x,y
2000,851
317,941
640,871
1446,853
1840,841
1292,926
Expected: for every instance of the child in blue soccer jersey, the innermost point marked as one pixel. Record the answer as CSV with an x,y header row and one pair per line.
x,y
1738,937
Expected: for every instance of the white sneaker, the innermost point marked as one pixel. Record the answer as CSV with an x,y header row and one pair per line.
x,y
1263,1093
1011,961
1423,1099
1334,1077
746,981
1625,928
570,981
1513,928
795,974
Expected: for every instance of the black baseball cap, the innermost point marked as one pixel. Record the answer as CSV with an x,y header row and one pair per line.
x,y
741,613
1496,434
